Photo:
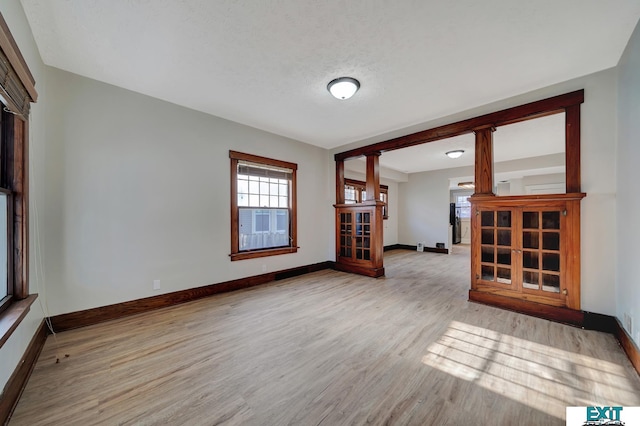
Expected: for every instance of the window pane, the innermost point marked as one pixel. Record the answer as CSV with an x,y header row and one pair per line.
x,y
263,228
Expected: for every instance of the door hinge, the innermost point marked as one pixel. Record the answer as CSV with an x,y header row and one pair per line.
x,y
564,291
477,277
564,213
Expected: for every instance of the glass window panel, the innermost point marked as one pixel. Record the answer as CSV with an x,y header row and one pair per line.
x,y
550,220
254,178
487,273
367,218
367,255
273,201
530,259
486,218
487,254
283,202
504,237
243,200
551,240
504,275
264,201
487,236
283,190
504,219
264,187
531,239
530,280
243,186
551,283
273,188
254,200
551,261
530,220
254,187
503,256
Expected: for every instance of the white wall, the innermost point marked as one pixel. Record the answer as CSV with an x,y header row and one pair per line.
x,y
138,189
424,198
628,176
13,349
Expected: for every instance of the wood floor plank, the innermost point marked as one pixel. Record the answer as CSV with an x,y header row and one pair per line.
x,y
330,348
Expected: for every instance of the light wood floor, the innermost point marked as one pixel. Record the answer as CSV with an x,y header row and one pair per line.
x,y
330,348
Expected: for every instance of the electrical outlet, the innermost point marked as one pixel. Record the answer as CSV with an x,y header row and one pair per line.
x,y
156,284
628,325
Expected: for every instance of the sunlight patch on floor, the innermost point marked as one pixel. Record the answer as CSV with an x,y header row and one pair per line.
x,y
543,377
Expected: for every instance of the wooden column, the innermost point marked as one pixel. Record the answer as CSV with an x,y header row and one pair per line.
x,y
484,161
373,177
339,181
572,148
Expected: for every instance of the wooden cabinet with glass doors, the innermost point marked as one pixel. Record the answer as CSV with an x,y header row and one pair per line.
x,y
527,248
355,248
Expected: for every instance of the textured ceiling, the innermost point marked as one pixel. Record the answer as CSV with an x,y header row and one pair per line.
x,y
267,63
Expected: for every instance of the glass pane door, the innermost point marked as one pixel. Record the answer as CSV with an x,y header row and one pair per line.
x,y
496,241
541,250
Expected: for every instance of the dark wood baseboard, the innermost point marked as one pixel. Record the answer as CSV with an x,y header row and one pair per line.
x,y
553,313
354,269
18,380
105,313
414,248
630,348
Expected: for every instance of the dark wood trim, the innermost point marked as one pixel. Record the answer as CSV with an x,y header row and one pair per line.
x,y
13,316
262,160
340,182
630,348
484,161
361,270
372,185
254,254
106,313
554,313
18,381
572,149
236,254
11,51
528,111
362,184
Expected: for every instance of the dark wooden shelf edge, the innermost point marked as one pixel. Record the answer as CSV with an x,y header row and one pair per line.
x,y
87,317
553,313
13,316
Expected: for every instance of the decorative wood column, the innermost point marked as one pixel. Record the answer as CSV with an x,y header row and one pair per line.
x,y
373,177
572,148
339,181
484,161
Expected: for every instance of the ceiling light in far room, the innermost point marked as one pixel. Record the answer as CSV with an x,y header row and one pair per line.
x,y
454,154
343,87
466,185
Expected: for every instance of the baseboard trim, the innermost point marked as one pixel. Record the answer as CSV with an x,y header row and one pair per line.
x,y
414,248
628,345
119,310
553,313
18,380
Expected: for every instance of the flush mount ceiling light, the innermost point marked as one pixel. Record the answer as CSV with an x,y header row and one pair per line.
x,y
454,154
343,87
466,185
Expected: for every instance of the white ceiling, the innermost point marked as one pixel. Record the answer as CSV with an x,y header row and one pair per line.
x,y
267,63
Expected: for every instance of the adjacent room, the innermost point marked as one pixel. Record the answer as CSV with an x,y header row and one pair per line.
x,y
332,213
